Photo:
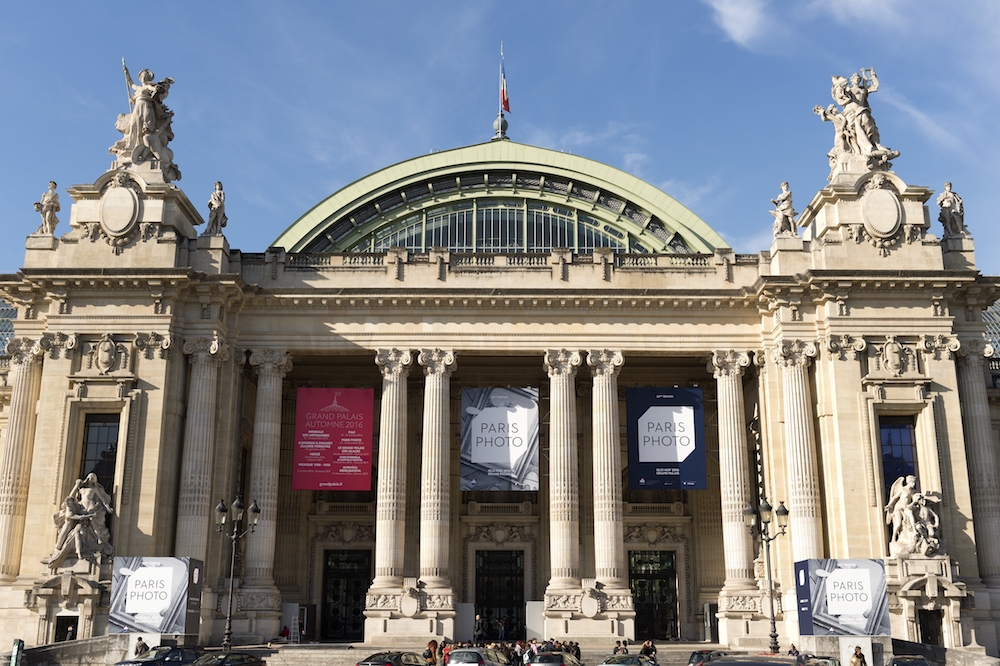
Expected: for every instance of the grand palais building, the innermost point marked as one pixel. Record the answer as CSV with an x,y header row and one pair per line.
x,y
499,380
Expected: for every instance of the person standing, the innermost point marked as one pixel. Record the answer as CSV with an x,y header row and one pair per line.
x,y
140,647
479,630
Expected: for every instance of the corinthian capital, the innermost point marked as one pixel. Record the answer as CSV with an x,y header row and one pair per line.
x,y
729,362
437,361
793,352
207,350
24,350
561,362
974,352
393,363
605,362
271,360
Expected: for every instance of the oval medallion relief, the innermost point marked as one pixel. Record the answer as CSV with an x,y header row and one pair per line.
x,y
119,211
882,213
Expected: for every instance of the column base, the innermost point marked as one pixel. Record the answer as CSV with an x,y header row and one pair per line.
x,y
258,608
408,613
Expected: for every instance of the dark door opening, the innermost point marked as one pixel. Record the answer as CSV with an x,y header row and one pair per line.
x,y
500,592
346,577
66,627
653,579
930,626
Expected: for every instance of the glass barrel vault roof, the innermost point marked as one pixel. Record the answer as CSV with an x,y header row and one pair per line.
x,y
500,196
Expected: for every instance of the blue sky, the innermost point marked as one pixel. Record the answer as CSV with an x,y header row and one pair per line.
x,y
710,101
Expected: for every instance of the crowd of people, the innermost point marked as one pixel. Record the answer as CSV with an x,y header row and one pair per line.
x,y
521,652
517,652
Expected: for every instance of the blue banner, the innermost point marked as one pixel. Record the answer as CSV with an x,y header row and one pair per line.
x,y
666,438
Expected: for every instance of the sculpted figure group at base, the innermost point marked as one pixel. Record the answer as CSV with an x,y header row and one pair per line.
x,y
855,132
784,214
952,215
82,524
147,125
916,528
47,207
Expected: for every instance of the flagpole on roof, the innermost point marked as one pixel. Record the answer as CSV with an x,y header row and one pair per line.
x,y
500,124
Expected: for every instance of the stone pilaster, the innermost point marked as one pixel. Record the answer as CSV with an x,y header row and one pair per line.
x,y
564,484
271,365
981,457
793,356
435,475
194,504
734,470
390,512
609,534
25,380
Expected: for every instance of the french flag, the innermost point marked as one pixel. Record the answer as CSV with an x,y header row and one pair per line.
x,y
504,100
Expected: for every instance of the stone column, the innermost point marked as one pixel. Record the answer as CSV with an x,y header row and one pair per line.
x,y
195,506
25,380
609,534
981,457
734,470
564,484
435,475
805,522
390,511
272,365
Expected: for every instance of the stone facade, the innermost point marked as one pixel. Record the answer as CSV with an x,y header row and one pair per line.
x,y
188,346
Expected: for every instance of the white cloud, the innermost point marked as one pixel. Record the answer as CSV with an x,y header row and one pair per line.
x,y
928,126
743,21
689,194
853,12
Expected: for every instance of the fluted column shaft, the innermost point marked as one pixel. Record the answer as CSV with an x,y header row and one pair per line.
x,y
564,485
609,546
734,467
272,366
435,475
25,380
800,450
981,458
390,512
194,504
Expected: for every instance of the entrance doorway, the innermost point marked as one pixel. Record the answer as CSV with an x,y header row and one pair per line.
x,y
653,579
346,577
500,592
930,622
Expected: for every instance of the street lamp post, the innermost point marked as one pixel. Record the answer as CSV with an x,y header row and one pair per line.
x,y
758,522
234,513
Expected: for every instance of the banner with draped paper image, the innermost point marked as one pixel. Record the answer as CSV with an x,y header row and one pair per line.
x,y
499,439
666,438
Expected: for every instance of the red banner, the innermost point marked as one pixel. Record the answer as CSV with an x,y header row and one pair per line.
x,y
333,439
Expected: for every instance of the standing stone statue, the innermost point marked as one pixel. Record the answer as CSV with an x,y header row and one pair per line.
x,y
48,207
856,133
784,214
216,212
147,126
952,215
916,528
82,524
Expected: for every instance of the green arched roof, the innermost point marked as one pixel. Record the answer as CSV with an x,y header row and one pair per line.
x,y
610,199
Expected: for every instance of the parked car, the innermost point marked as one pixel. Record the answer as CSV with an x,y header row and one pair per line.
x,y
476,655
628,660
555,659
394,658
229,659
910,660
165,654
699,657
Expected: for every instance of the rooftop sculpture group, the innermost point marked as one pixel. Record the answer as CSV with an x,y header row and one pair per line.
x,y
47,207
855,133
146,127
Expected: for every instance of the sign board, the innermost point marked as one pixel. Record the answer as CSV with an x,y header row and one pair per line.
x,y
842,598
666,438
333,439
499,439
156,595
